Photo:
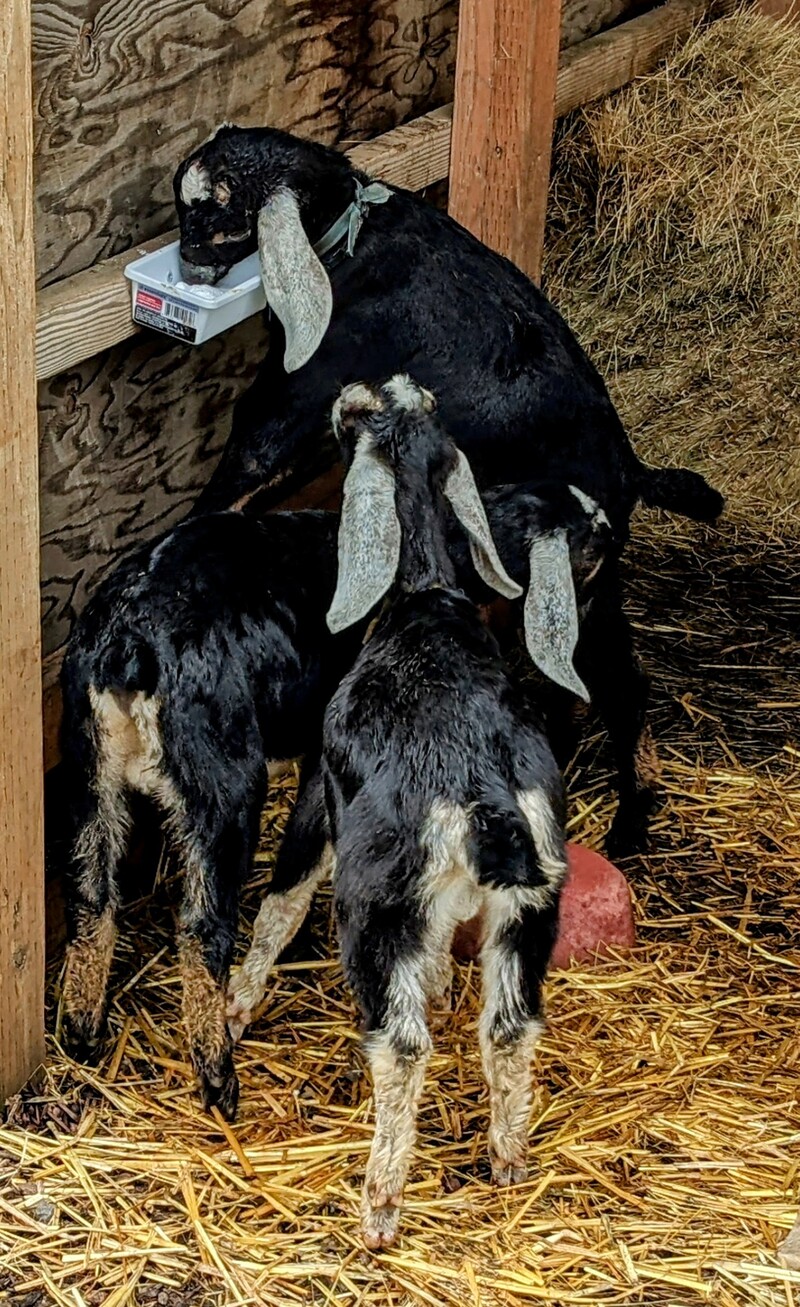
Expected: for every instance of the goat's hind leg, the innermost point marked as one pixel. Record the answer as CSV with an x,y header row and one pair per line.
x,y
388,971
215,847
304,861
619,690
517,944
98,846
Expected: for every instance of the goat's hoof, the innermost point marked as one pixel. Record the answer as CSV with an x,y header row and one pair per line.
x,y
238,1019
238,1013
380,1221
507,1171
219,1087
789,1250
626,838
83,1037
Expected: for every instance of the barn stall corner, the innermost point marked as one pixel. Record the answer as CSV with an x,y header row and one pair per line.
x,y
665,1121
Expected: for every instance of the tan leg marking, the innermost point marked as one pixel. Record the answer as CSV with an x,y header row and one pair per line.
x,y
89,958
203,1007
279,919
647,762
508,1074
397,1081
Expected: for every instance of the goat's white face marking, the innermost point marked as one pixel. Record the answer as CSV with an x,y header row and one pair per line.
x,y
590,507
196,184
355,397
408,395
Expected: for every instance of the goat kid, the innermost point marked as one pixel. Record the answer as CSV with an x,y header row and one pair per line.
x,y
367,280
557,543
204,656
554,542
442,797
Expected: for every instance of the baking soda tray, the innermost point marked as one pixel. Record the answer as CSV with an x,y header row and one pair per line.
x,y
160,299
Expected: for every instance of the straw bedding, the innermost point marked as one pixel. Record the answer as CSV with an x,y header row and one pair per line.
x,y
674,254
665,1144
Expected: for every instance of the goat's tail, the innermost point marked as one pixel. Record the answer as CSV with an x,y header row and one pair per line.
x,y
679,491
128,663
502,845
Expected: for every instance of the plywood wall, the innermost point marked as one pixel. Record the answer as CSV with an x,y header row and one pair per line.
x,y
122,93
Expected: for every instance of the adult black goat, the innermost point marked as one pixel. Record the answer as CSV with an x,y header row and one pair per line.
x,y
442,796
201,658
397,286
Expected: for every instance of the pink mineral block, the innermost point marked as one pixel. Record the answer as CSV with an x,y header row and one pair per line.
x,y
596,910
596,913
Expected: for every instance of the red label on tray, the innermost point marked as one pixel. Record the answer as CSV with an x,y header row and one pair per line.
x,y
148,300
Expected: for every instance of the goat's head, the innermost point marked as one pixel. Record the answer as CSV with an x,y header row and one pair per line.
x,y
244,190
401,466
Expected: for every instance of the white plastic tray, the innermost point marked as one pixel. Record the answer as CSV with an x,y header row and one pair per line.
x,y
192,313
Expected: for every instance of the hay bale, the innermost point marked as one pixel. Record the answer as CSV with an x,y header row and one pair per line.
x,y
673,251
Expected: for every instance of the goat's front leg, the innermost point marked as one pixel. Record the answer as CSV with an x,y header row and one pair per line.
x,y
304,862
276,424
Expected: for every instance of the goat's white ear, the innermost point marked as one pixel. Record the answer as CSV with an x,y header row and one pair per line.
x,y
551,612
369,538
461,490
295,283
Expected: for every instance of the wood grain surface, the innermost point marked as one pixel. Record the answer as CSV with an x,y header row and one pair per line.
x,y
503,124
21,789
124,91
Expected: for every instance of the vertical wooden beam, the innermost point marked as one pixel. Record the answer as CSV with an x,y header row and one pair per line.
x,y
506,70
21,770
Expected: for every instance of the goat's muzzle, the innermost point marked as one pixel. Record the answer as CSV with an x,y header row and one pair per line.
x,y
196,274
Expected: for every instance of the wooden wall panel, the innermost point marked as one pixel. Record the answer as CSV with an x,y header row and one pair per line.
x,y
124,91
126,442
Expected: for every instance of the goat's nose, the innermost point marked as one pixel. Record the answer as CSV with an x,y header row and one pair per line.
x,y
193,269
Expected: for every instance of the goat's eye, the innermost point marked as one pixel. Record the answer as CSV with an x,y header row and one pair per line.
x,y
220,237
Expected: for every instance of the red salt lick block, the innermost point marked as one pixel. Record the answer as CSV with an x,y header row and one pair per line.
x,y
595,913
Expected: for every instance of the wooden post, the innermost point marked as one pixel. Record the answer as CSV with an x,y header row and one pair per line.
x,y
21,770
506,70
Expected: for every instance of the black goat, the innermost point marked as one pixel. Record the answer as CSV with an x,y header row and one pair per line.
x,y
442,796
202,657
417,293
556,542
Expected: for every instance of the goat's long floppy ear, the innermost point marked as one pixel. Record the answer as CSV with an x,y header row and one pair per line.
x,y
295,283
461,490
369,538
551,612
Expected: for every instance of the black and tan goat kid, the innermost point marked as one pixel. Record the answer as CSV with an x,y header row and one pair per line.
x,y
442,796
203,656
365,281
